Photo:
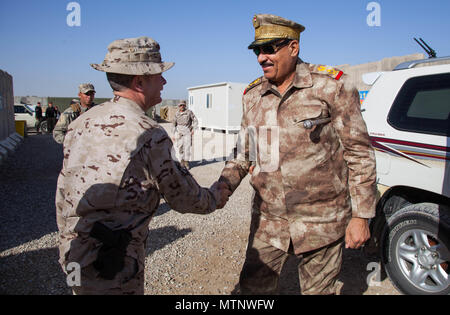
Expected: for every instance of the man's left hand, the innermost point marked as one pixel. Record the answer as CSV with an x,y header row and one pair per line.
x,y
357,233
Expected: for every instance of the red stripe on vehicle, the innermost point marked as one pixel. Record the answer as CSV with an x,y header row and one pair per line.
x,y
412,144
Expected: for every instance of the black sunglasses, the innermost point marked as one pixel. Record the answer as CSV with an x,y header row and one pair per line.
x,y
270,49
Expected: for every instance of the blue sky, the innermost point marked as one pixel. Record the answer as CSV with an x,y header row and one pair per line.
x,y
207,40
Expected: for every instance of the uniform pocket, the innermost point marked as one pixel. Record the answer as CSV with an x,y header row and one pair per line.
x,y
310,123
308,112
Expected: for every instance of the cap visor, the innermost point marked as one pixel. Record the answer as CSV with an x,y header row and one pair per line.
x,y
260,42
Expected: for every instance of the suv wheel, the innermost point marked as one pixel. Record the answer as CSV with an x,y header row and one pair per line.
x,y
415,249
44,127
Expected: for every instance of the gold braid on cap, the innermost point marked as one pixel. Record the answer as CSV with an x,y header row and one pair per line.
x,y
276,31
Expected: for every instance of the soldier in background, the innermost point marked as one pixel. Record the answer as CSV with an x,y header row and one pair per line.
x,y
39,117
184,124
50,117
86,93
117,165
58,114
320,183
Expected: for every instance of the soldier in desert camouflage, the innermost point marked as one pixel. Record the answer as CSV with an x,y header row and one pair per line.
x,y
183,126
316,191
117,165
86,94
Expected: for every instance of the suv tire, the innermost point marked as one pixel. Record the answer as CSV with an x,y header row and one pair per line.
x,y
416,246
44,127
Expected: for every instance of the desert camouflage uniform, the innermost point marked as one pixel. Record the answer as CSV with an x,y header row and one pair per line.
x,y
117,164
323,176
183,124
64,120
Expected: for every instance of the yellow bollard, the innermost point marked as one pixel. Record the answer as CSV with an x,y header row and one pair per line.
x,y
21,127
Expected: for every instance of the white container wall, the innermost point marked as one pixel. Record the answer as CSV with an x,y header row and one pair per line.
x,y
217,106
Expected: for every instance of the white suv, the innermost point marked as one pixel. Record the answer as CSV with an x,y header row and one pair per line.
x,y
407,112
25,112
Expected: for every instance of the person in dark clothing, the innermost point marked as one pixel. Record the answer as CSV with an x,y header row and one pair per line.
x,y
50,115
39,117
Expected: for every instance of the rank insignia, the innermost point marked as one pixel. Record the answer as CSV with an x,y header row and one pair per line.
x,y
252,85
332,72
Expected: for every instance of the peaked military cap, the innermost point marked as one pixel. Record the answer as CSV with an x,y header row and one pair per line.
x,y
270,28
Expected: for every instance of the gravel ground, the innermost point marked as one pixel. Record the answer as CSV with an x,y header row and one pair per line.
x,y
186,254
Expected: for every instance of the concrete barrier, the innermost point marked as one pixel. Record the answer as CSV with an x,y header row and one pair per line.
x,y
9,138
3,154
7,125
9,145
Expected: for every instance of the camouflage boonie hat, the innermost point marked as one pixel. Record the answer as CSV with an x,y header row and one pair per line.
x,y
270,28
86,87
133,56
182,103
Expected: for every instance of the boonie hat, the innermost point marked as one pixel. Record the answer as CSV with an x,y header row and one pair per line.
x,y
182,103
270,28
86,87
133,56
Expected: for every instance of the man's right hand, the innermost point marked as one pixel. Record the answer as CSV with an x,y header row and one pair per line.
x,y
221,193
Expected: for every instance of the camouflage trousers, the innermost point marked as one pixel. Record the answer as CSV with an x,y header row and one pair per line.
x,y
184,144
129,281
318,270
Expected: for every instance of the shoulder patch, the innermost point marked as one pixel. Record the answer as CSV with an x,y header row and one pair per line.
x,y
330,71
252,85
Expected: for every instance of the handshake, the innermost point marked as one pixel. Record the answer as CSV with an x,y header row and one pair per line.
x,y
221,193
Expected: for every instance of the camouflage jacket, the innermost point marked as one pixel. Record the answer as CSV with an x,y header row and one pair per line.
x,y
69,115
117,164
308,182
184,122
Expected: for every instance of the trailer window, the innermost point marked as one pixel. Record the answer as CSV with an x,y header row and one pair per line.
x,y
209,100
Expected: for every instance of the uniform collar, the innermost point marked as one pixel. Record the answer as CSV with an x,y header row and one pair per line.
x,y
126,101
302,78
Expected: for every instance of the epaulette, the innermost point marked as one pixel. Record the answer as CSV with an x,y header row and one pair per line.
x,y
252,85
330,71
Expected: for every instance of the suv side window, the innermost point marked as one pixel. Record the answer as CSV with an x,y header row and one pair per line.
x,y
19,110
423,105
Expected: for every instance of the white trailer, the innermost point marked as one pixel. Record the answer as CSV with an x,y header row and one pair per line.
x,y
217,106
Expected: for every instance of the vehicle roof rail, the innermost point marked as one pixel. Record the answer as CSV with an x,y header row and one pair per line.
x,y
411,64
